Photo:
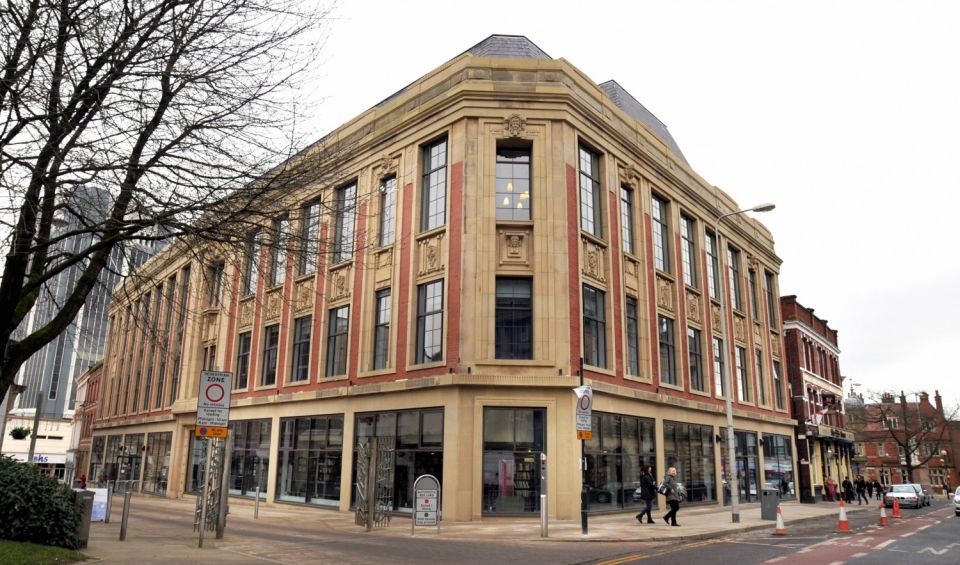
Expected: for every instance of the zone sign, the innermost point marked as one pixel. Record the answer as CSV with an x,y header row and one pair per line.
x,y
213,402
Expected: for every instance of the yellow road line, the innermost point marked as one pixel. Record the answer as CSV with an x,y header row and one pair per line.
x,y
640,556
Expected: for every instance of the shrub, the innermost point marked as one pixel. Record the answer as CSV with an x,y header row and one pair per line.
x,y
35,508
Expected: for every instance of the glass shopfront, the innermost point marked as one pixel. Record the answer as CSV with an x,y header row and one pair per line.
x,y
620,448
250,460
748,472
418,437
111,461
310,459
95,476
778,465
157,465
690,448
131,459
513,439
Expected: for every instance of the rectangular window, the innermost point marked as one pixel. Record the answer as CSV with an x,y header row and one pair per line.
x,y
430,322
743,381
300,366
733,270
772,302
210,358
661,234
514,318
690,448
338,329
713,266
513,439
346,199
513,184
591,220
179,335
388,211
215,285
719,386
381,330
433,192
243,360
696,359
309,238
620,448
278,251
594,327
310,457
633,338
271,339
754,301
251,269
668,360
761,385
777,385
689,250
626,218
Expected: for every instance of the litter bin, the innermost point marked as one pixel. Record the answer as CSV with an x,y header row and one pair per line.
x,y
85,502
768,504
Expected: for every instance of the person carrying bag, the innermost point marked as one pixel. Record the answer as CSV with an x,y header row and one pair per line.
x,y
673,495
648,491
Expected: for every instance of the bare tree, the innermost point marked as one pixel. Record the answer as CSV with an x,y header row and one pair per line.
x,y
919,429
176,108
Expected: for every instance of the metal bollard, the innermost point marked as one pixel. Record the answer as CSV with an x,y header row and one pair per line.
x,y
106,517
126,514
543,515
256,503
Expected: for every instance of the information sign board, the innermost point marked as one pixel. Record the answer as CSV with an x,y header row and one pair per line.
x,y
213,404
584,412
426,502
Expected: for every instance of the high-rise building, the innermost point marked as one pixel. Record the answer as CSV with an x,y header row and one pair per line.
x,y
502,227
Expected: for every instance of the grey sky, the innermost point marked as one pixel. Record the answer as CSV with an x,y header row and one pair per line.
x,y
845,114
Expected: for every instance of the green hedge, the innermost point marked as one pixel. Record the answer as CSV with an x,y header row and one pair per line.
x,y
35,508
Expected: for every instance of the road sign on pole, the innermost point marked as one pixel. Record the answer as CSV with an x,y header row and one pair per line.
x,y
213,404
584,412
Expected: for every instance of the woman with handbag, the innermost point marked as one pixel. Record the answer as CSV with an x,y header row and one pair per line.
x,y
648,491
673,496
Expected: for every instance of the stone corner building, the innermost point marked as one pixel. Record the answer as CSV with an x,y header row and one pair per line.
x,y
510,217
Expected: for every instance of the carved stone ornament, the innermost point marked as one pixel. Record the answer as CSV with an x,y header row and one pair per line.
x,y
272,302
739,329
594,261
665,294
515,126
630,277
246,312
340,283
386,166
431,254
210,327
775,345
756,333
693,308
717,326
629,176
513,248
303,295
384,264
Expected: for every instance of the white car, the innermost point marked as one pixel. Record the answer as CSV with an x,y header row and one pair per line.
x,y
907,494
956,502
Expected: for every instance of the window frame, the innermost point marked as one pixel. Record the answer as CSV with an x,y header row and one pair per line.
x,y
381,328
627,219
345,220
667,350
251,268
719,359
688,250
300,354
338,341
433,192
278,252
215,276
597,298
695,357
386,223
424,316
772,302
591,201
713,266
270,355
510,307
733,273
243,360
743,374
761,385
660,228
501,152
631,310
309,238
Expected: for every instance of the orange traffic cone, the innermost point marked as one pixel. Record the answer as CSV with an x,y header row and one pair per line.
x,y
884,521
844,526
780,531
896,508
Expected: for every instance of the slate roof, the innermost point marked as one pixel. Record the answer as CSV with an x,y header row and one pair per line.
x,y
626,102
509,46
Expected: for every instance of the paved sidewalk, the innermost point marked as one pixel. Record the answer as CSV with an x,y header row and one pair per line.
x,y
161,530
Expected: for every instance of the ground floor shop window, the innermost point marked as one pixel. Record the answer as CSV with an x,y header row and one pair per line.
x,y
748,472
111,459
157,464
620,448
130,461
513,439
97,453
418,439
251,457
778,465
690,448
310,458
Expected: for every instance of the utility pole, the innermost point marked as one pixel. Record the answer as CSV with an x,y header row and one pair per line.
x,y
36,424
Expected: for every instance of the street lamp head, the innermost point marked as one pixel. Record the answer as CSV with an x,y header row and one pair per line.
x,y
763,207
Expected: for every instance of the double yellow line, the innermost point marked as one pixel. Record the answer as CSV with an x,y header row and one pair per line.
x,y
622,560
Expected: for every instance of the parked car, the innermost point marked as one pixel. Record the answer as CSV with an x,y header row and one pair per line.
x,y
956,502
907,494
925,496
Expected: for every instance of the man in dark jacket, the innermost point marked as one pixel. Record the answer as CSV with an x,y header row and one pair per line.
x,y
847,490
862,491
648,491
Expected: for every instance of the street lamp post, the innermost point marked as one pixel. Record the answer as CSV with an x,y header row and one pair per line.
x,y
732,479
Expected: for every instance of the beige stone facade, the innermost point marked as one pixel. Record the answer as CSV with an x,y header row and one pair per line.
x,y
477,106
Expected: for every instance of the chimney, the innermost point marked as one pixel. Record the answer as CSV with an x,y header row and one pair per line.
x,y
939,401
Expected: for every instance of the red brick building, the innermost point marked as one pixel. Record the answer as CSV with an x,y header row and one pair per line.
x,y
88,391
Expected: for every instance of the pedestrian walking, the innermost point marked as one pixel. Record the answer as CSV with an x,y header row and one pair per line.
x,y
648,491
673,496
831,488
869,490
847,487
861,486
878,489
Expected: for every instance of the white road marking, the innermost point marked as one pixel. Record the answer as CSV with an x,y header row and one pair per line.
x,y
924,527
907,535
884,544
836,563
858,555
775,559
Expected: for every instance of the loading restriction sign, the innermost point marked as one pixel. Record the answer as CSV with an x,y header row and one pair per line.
x,y
213,404
426,511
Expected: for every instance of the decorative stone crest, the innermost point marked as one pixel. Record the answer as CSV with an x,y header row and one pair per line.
x,y
384,266
775,345
717,326
693,308
515,126
665,294
514,247
630,278
340,283
739,329
303,295
272,302
629,176
246,312
431,254
594,261
211,326
756,333
386,166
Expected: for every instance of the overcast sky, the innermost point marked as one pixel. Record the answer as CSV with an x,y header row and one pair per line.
x,y
844,114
